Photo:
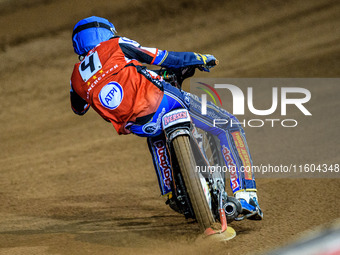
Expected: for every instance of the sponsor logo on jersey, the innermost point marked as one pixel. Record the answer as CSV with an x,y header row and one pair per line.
x,y
111,95
153,127
187,98
242,150
164,164
231,166
177,116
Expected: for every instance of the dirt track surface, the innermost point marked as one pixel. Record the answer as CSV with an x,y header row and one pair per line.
x,y
71,185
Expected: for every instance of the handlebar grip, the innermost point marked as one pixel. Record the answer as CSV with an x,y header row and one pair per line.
x,y
212,63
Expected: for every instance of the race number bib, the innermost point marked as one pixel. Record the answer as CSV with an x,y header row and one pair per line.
x,y
89,66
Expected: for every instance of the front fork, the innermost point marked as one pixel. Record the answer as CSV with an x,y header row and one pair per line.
x,y
178,123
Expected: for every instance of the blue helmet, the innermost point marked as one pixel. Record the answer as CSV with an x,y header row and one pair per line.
x,y
89,32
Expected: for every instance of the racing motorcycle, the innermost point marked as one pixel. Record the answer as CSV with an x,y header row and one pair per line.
x,y
196,195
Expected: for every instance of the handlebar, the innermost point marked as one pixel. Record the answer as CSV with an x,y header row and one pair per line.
x,y
176,76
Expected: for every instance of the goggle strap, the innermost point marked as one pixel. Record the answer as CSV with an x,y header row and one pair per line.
x,y
90,25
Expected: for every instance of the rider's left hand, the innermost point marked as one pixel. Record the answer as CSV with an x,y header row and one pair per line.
x,y
209,62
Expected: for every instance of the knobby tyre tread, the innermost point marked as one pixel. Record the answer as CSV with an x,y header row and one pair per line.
x,y
192,182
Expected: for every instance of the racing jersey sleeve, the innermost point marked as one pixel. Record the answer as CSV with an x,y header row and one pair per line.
x,y
154,56
78,105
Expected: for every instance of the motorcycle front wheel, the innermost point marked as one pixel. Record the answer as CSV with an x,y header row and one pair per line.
x,y
195,183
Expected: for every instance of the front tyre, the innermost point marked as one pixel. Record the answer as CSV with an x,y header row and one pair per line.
x,y
194,186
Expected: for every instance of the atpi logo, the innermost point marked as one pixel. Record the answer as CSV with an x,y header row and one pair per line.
x,y
111,95
301,96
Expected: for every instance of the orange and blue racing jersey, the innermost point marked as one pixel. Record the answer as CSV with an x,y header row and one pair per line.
x,y
113,81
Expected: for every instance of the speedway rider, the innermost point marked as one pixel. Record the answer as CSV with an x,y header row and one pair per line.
x,y
111,79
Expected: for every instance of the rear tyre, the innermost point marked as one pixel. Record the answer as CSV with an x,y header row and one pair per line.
x,y
186,161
